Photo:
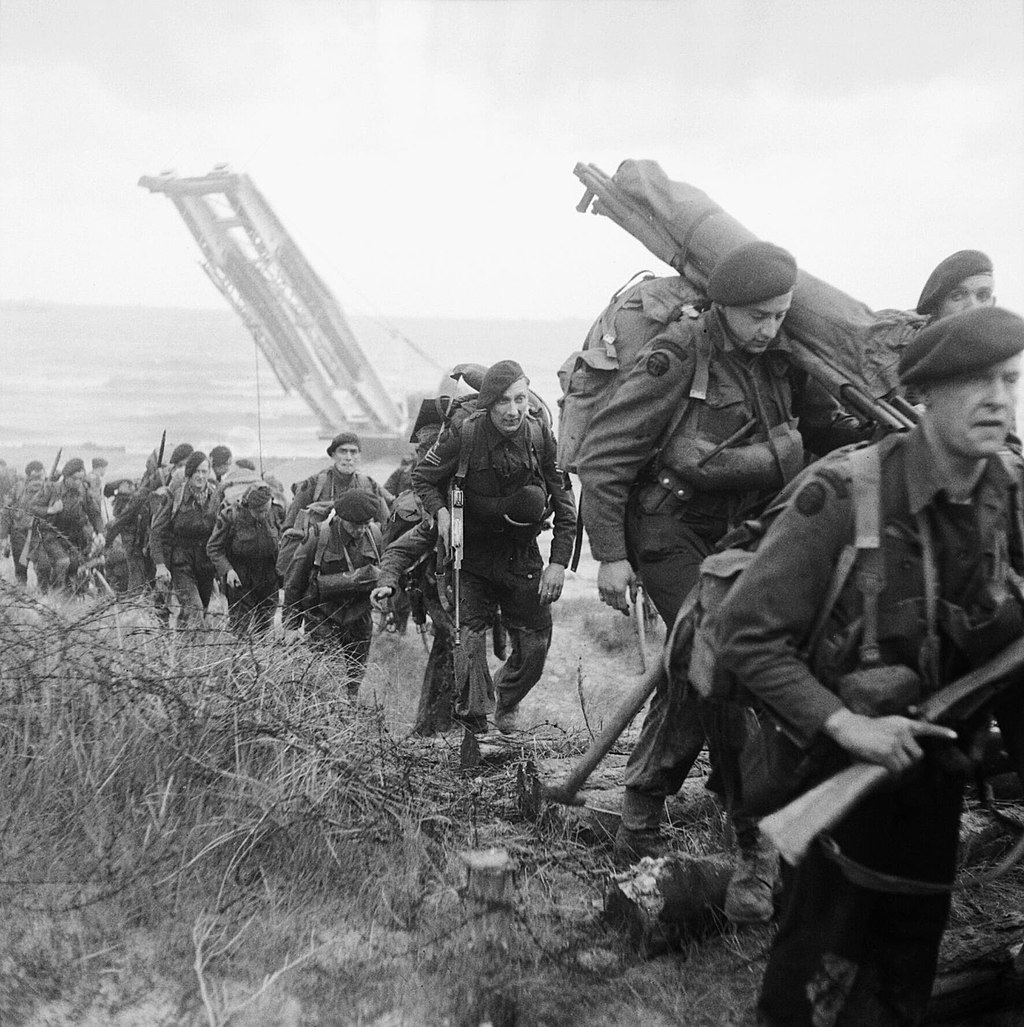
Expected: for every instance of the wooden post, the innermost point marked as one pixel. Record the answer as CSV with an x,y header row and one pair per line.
x,y
489,889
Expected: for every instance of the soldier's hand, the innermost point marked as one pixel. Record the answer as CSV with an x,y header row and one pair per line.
x,y
380,596
55,507
551,582
163,574
232,580
614,579
889,741
444,528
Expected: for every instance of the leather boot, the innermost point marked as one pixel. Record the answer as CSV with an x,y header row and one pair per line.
x,y
748,898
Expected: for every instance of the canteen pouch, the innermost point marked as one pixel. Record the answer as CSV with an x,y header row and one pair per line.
x,y
880,691
347,583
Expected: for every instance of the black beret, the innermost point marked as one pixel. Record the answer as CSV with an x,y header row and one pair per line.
x,y
496,380
98,461
220,455
751,273
73,466
948,275
195,458
180,453
248,464
33,466
344,438
428,414
962,344
357,505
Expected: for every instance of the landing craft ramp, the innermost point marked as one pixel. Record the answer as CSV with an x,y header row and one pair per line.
x,y
297,323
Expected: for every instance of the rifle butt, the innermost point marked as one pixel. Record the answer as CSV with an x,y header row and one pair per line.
x,y
25,549
793,828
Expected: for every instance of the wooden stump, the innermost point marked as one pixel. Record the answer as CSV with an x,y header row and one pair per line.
x,y
663,902
489,887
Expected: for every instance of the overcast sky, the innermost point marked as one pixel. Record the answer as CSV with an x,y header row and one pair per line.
x,y
421,153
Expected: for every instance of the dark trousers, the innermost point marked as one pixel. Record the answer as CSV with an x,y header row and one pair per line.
x,y
667,553
192,577
508,581
251,606
348,639
437,695
849,956
18,536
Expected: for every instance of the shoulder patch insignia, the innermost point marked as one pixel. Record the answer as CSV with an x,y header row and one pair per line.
x,y
657,364
810,500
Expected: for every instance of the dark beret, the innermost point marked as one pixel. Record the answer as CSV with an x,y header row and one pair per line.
x,y
220,455
180,453
357,505
195,458
344,438
962,344
34,465
98,461
948,275
248,464
751,273
73,466
110,489
496,380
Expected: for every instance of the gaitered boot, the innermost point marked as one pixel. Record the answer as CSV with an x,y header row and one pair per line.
x,y
748,898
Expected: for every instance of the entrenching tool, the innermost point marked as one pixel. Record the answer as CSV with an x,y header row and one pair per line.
x,y
639,625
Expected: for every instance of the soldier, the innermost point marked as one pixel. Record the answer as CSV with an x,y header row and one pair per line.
x,y
501,456
243,549
16,518
68,525
959,283
699,436
328,485
328,582
178,537
863,914
118,495
220,462
95,482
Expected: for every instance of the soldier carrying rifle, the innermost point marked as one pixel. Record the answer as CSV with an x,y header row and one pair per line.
x,y
502,459
933,592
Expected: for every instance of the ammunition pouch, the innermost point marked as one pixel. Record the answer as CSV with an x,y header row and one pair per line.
x,y
754,466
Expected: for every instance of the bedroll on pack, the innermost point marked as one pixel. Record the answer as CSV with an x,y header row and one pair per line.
x,y
637,313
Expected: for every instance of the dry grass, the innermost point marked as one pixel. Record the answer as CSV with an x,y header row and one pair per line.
x,y
197,830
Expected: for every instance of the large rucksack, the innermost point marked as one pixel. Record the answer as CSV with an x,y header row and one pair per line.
x,y
307,519
637,313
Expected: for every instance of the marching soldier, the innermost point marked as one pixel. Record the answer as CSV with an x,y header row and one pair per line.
x,y
328,582
503,458
961,282
178,537
864,912
700,435
243,549
327,485
68,522
16,518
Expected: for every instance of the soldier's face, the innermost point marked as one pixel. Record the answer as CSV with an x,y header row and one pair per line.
x,y
971,415
357,529
975,291
200,475
754,326
508,413
345,458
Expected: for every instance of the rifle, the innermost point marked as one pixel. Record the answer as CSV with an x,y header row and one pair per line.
x,y
792,828
458,542
27,547
160,451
